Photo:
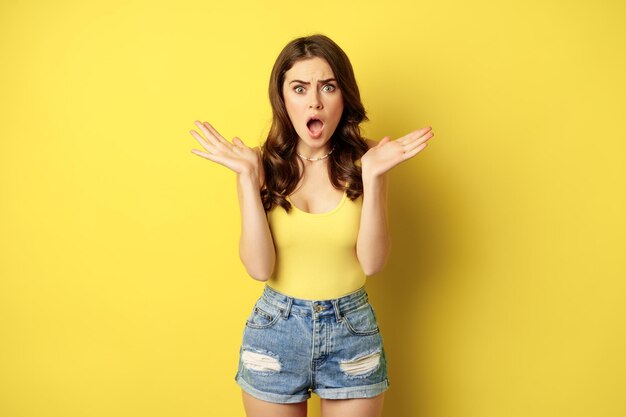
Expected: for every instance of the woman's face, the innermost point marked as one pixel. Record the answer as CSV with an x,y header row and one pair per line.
x,y
310,90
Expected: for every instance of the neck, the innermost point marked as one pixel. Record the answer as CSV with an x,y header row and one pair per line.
x,y
316,154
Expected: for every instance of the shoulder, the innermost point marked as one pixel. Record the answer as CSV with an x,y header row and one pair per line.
x,y
370,142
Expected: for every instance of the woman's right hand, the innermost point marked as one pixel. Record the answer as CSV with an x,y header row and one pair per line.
x,y
235,156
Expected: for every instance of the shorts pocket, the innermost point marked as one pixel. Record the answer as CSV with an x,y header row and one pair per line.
x,y
361,321
262,317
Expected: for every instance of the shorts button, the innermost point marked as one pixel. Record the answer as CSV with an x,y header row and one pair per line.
x,y
318,308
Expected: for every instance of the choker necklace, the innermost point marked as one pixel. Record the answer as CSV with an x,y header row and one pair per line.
x,y
317,159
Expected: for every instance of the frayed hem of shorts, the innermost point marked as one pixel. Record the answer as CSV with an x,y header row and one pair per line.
x,y
364,391
270,396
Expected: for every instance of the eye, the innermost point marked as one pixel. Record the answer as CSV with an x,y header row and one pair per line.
x,y
332,87
297,87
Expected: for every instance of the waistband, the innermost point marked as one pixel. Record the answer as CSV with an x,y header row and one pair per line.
x,y
319,308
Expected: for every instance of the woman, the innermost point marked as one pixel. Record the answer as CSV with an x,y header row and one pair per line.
x,y
313,203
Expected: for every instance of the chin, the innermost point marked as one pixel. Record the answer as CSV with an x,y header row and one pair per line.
x,y
312,143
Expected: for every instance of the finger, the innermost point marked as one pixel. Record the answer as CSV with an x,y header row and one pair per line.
x,y
420,133
416,134
206,145
408,148
210,136
202,154
216,134
410,154
238,142
419,138
415,144
215,158
213,135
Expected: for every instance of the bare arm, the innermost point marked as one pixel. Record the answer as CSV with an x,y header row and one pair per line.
x,y
256,246
374,242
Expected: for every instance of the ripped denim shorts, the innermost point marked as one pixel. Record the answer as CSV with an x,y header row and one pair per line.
x,y
292,347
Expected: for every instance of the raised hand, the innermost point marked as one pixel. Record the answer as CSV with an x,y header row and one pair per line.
x,y
388,153
235,156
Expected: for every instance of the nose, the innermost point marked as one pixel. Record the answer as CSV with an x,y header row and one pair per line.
x,y
315,103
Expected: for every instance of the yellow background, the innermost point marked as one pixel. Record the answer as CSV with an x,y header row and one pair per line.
x,y
121,290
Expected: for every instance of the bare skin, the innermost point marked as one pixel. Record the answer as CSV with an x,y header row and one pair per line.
x,y
257,408
241,159
315,192
357,407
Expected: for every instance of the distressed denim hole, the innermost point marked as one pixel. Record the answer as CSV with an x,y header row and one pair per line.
x,y
260,362
361,366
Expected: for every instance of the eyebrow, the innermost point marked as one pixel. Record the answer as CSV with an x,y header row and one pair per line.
x,y
307,83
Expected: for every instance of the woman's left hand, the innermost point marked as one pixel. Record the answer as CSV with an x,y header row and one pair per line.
x,y
389,153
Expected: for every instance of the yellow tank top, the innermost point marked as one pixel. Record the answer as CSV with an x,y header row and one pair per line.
x,y
316,252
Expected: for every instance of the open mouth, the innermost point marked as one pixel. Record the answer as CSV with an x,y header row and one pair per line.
x,y
315,126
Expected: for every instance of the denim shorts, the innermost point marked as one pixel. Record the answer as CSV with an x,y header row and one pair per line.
x,y
292,347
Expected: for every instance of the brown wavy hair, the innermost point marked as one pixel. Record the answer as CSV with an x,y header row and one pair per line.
x,y
280,162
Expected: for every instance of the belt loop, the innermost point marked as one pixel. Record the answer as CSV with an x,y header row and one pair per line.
x,y
287,309
336,308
